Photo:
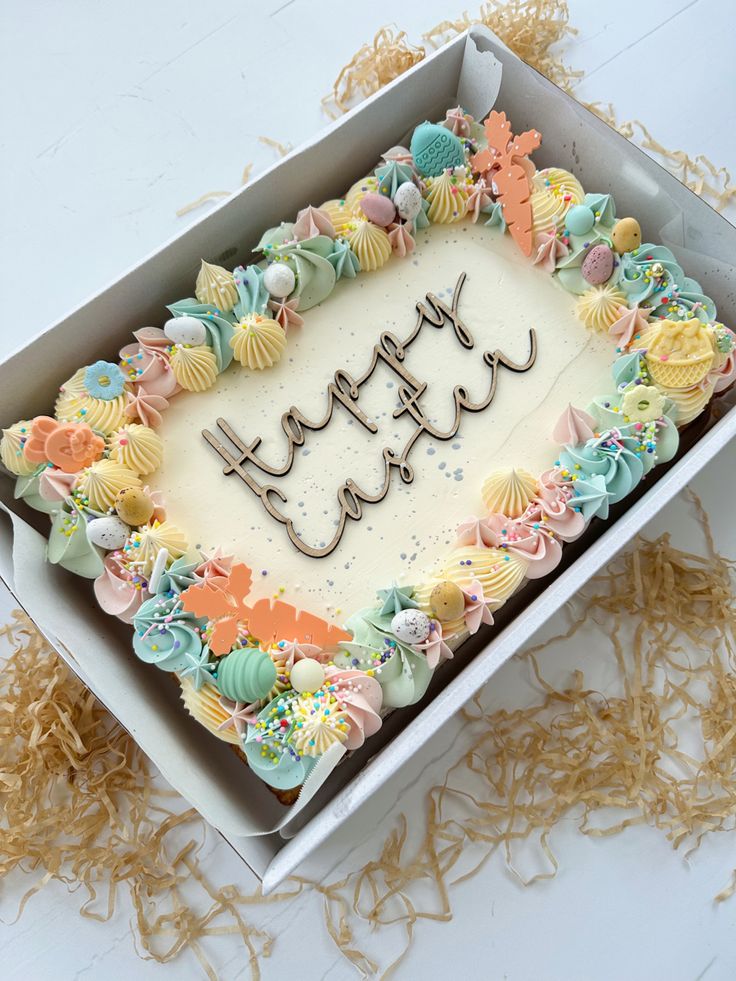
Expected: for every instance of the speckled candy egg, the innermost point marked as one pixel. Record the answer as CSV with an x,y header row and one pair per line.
x,y
134,506
307,675
626,235
108,532
447,601
185,330
408,200
378,208
597,265
435,148
410,626
579,220
279,280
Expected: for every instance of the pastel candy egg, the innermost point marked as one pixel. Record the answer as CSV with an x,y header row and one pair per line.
x,y
626,235
378,208
408,200
279,280
134,506
435,148
186,330
447,601
579,220
410,626
597,265
246,675
307,675
108,532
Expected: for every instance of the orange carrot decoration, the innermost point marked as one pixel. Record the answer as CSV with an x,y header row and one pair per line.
x,y
221,601
274,620
505,163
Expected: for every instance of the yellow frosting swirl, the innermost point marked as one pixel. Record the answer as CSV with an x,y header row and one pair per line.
x,y
508,492
447,196
340,215
194,367
258,341
100,483
371,244
204,706
216,286
320,722
75,405
554,192
148,540
366,185
11,449
598,307
690,402
138,447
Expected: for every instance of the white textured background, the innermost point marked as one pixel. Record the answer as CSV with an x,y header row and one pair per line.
x,y
113,116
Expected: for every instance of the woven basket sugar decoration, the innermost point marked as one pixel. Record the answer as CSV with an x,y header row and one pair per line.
x,y
680,353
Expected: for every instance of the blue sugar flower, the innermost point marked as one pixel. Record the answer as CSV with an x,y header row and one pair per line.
x,y
104,380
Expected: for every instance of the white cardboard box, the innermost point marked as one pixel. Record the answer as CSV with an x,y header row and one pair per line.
x,y
476,71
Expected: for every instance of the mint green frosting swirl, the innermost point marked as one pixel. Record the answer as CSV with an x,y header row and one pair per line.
x,y
614,458
657,442
569,268
392,175
179,576
252,294
402,672
591,497
217,324
315,274
422,220
69,546
343,260
166,634
497,219
280,766
672,295
26,489
628,368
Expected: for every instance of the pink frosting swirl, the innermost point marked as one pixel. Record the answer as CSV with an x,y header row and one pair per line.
x,y
402,243
725,375
476,533
549,250
285,314
145,406
116,592
458,122
434,648
148,359
529,539
294,650
478,199
214,564
55,485
552,507
359,696
311,222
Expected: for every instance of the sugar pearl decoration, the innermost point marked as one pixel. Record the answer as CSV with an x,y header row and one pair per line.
x,y
279,280
408,200
186,330
108,532
307,675
410,626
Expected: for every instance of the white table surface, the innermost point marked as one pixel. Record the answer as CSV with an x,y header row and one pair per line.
x,y
113,117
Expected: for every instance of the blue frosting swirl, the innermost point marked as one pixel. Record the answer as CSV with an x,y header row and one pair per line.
x,y
672,294
165,634
252,294
343,260
268,748
217,324
614,458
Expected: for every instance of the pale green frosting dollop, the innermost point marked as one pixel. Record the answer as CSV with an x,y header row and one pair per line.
x,y
69,546
179,576
217,324
392,175
252,294
402,672
315,274
270,754
569,268
343,260
27,489
165,633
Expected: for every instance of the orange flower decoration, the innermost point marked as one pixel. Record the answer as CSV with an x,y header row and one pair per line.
x,y
70,446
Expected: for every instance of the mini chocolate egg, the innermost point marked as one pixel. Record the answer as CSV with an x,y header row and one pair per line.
x,y
447,601
186,330
279,280
579,220
408,200
108,532
378,208
307,675
435,148
134,506
626,235
410,626
597,265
